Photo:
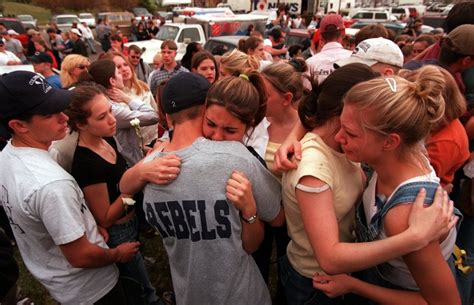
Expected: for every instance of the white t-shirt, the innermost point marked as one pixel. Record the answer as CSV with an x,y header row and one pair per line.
x,y
322,64
46,209
6,56
272,16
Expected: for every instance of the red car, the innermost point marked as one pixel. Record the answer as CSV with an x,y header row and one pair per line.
x,y
15,24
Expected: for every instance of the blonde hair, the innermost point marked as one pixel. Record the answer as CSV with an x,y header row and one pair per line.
x,y
237,62
286,77
455,104
136,85
157,57
69,63
406,108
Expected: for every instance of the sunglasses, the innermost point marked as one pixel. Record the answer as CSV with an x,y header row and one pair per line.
x,y
83,67
135,56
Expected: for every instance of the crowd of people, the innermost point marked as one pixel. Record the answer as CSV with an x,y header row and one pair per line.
x,y
348,159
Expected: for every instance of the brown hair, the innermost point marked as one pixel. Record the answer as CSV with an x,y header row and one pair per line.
x,y
250,43
244,96
100,71
170,44
135,49
200,56
325,101
407,108
371,31
287,76
116,37
76,111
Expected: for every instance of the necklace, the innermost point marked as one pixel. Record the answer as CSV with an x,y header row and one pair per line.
x,y
104,150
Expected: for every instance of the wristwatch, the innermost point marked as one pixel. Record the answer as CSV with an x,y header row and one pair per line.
x,y
249,220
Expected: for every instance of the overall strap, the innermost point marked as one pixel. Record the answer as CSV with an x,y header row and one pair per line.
x,y
405,193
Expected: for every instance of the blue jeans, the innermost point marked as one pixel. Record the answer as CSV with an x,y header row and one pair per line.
x,y
299,289
135,269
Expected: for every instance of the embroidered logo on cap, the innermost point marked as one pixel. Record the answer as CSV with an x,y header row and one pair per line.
x,y
40,81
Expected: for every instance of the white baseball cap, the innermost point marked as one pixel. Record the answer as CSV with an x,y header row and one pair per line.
x,y
375,50
12,32
76,31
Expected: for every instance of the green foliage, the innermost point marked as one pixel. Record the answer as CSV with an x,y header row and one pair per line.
x,y
13,8
149,4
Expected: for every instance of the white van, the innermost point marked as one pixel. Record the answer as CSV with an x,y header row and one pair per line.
x,y
373,16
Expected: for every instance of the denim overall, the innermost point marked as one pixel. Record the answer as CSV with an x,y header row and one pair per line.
x,y
367,232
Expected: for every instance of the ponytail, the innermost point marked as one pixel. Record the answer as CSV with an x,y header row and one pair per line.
x,y
244,96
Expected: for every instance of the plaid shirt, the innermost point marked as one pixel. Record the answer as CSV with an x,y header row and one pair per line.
x,y
158,76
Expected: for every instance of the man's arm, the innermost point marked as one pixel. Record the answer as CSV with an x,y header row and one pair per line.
x,y
62,210
81,253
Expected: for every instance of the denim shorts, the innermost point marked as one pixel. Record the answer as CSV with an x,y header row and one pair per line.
x,y
299,289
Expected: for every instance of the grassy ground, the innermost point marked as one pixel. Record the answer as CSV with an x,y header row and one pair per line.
x,y
12,8
158,272
152,247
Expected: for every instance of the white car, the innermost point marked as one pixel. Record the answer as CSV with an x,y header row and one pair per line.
x,y
180,33
374,16
65,22
28,21
87,18
447,9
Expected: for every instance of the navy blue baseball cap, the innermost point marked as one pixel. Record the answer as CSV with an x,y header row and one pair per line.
x,y
24,92
40,57
183,91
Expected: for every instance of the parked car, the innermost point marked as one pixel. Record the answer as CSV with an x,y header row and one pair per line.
x,y
87,18
373,16
402,13
223,43
199,28
166,15
141,13
447,9
17,26
118,19
65,22
180,33
396,27
28,21
437,7
296,36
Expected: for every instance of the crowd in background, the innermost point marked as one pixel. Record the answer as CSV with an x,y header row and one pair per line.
x,y
325,151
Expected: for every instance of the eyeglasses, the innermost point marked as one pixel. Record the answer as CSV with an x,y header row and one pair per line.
x,y
82,67
135,56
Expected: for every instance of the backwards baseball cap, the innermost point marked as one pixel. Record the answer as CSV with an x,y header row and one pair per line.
x,y
375,50
183,91
12,32
40,57
25,92
76,31
331,23
32,32
462,39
